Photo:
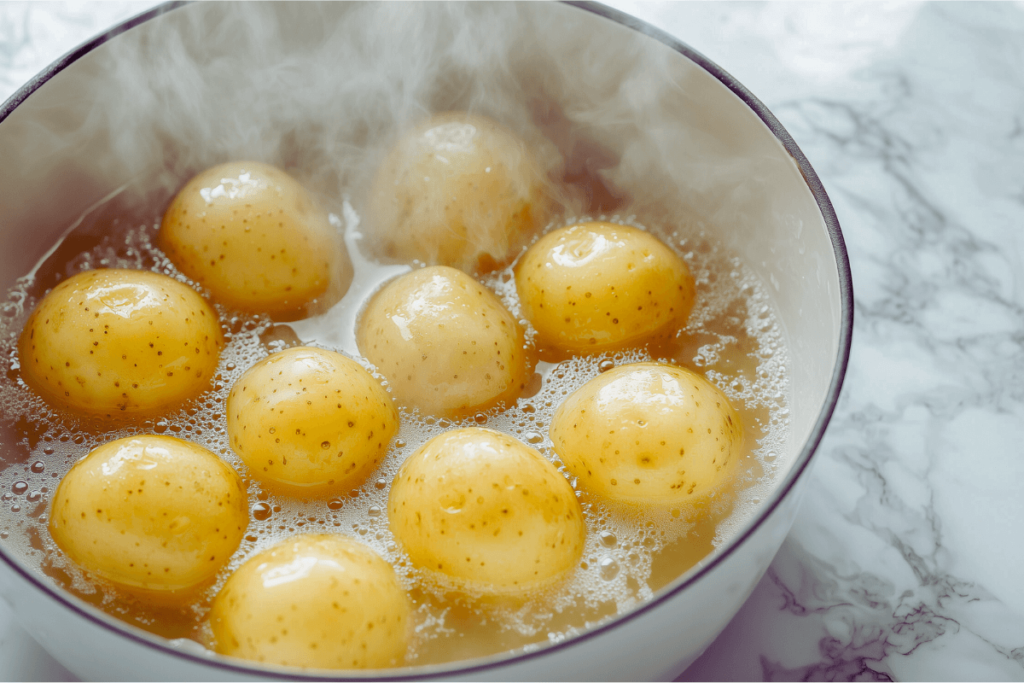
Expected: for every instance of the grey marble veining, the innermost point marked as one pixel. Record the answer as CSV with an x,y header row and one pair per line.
x,y
905,560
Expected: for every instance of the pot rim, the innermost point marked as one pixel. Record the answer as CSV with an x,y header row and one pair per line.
x,y
468,667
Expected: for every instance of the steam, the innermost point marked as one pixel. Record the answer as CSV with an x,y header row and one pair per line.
x,y
323,90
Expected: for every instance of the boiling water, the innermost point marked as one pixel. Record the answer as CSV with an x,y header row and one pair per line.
x,y
732,337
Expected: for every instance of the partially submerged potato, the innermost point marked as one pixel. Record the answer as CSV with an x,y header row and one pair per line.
x,y
480,507
150,512
112,342
444,341
317,601
649,433
457,190
310,419
602,286
255,238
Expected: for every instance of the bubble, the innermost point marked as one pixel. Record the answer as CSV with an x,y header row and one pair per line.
x,y
261,512
609,568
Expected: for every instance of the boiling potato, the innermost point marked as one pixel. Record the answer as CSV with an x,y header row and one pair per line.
x,y
649,433
444,341
254,237
484,509
458,190
150,512
120,342
311,419
316,600
601,286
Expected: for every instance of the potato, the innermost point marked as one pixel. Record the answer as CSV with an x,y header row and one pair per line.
x,y
649,433
315,600
108,343
601,286
310,419
488,511
254,237
457,190
150,512
445,342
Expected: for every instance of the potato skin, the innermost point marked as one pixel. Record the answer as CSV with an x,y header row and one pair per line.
x,y
315,600
487,510
252,236
310,419
150,512
598,286
649,433
445,342
457,190
120,343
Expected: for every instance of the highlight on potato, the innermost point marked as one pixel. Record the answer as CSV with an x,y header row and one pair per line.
x,y
120,343
310,420
154,513
649,433
257,240
600,286
487,511
319,601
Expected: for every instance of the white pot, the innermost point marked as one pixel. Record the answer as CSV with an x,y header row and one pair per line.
x,y
777,217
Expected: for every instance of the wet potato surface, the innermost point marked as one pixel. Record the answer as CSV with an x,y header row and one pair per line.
x,y
445,342
256,239
310,419
113,343
485,509
150,512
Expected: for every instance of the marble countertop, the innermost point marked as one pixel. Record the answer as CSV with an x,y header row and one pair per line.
x,y
905,560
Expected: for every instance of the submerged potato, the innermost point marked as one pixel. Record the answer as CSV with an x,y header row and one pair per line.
x,y
150,512
444,341
310,418
254,237
120,342
315,600
600,286
649,433
458,190
486,510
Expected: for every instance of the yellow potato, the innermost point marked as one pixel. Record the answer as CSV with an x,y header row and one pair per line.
x,y
444,341
255,238
649,433
311,419
485,509
112,342
315,600
457,190
150,512
602,286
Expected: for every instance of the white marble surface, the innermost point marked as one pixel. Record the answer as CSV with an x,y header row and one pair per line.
x,y
905,561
